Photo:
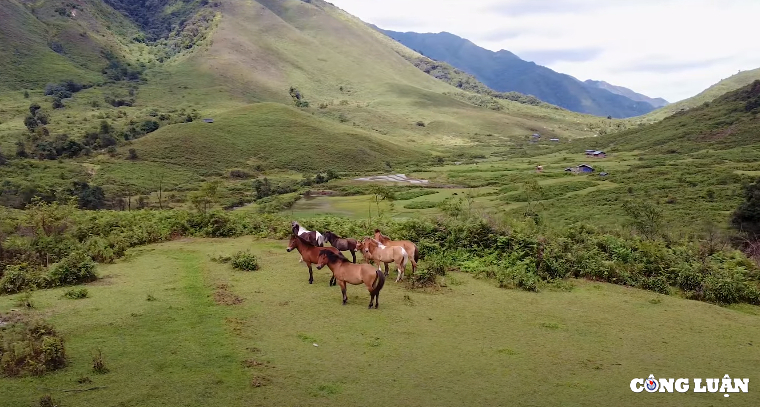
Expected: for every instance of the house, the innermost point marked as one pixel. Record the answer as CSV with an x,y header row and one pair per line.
x,y
599,154
590,152
208,120
536,135
555,140
585,168
603,174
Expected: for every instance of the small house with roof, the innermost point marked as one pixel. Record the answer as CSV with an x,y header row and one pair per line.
x,y
585,168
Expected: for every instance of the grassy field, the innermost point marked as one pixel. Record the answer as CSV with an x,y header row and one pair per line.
x,y
169,334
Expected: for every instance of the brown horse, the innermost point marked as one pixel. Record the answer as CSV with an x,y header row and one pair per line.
x,y
411,248
355,274
310,253
374,250
341,243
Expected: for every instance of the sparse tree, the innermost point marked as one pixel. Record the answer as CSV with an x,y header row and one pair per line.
x,y
645,218
132,154
33,108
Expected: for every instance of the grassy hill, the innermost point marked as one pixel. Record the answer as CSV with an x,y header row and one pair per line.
x,y
272,135
726,85
728,121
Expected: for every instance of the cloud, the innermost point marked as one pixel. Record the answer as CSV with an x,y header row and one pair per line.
x,y
526,7
669,48
653,65
550,56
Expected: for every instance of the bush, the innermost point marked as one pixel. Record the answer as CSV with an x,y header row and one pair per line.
x,y
15,279
77,293
245,261
30,348
76,268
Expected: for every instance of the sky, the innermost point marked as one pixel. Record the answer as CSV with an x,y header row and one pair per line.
x,y
662,48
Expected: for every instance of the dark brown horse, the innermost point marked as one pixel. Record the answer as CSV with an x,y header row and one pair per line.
x,y
342,244
355,274
310,253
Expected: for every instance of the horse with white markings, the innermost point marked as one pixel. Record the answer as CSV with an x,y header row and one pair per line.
x,y
312,237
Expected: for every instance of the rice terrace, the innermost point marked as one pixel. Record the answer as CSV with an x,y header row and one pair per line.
x,y
279,203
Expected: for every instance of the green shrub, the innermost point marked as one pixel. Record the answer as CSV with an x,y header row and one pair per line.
x,y
75,268
30,348
245,261
424,277
421,205
15,279
77,293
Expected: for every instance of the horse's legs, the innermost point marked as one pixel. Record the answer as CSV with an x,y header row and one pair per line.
x,y
400,274
371,299
353,255
377,299
386,269
343,290
333,281
311,275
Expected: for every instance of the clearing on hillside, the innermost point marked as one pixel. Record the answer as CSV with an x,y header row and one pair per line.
x,y
165,341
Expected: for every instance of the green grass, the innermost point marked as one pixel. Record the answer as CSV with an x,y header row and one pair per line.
x,y
729,84
272,134
454,347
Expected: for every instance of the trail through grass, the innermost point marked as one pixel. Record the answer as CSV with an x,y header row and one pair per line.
x,y
466,344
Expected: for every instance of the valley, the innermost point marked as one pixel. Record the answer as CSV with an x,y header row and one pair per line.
x,y
571,235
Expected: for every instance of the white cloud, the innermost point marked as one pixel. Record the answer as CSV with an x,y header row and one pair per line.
x,y
668,48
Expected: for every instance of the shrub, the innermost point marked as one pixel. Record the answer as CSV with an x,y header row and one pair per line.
x,y
76,268
420,123
15,279
30,348
77,293
98,364
245,261
132,154
424,277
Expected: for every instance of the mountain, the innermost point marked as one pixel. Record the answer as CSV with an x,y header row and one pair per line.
x,y
619,90
729,84
504,71
122,86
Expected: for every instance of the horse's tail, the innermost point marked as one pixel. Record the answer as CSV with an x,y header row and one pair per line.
x,y
416,253
379,282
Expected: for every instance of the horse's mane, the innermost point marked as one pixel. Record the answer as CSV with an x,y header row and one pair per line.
x,y
332,257
381,234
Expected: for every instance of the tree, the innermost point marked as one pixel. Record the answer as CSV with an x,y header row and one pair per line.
x,y
31,123
132,154
21,150
105,127
206,197
88,197
645,218
33,108
746,217
379,193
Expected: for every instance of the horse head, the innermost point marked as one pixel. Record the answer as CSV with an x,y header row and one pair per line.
x,y
326,256
293,243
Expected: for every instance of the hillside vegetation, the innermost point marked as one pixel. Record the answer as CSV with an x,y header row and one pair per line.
x,y
729,84
273,136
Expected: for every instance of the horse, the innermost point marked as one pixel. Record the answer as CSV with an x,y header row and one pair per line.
x,y
352,273
374,250
410,248
313,237
310,253
342,244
